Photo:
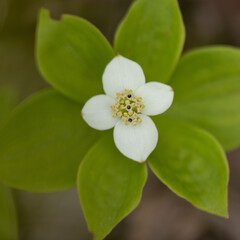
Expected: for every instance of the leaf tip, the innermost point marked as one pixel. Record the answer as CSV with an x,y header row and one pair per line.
x,y
224,213
44,13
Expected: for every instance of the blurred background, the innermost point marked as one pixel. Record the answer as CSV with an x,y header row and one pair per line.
x,y
161,215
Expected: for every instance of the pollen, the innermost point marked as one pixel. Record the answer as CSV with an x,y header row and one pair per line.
x,y
128,107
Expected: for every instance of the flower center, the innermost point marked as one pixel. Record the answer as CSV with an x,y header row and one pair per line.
x,y
128,107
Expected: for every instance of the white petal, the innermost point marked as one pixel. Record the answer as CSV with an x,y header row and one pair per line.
x,y
157,97
136,142
98,114
120,74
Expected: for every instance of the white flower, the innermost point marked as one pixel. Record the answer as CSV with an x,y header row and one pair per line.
x,y
125,107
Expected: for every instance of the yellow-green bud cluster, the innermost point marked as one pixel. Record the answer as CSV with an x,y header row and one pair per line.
x,y
128,107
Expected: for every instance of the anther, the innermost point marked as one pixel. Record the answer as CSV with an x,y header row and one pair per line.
x,y
135,115
127,107
119,114
134,123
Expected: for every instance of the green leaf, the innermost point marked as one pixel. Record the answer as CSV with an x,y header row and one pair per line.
x,y
43,142
152,34
207,84
192,164
110,186
8,100
8,220
72,55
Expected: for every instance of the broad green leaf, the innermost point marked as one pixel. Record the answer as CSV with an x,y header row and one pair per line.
x,y
207,84
7,101
110,186
72,55
8,220
152,34
192,164
43,142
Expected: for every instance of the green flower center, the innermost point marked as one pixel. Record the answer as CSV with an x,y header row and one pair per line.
x,y
128,107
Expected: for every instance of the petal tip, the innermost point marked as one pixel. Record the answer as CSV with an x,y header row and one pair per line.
x,y
143,162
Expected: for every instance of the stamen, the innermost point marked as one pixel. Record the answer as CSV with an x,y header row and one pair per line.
x,y
119,114
124,119
135,115
134,123
127,107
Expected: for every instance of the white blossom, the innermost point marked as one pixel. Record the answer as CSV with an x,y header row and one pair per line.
x,y
127,105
